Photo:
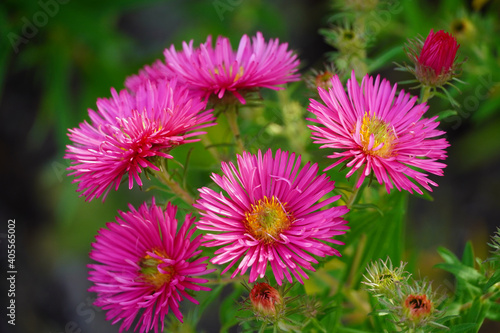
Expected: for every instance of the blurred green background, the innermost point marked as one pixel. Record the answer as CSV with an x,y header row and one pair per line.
x,y
58,57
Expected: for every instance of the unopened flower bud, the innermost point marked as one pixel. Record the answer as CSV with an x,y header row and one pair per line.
x,y
382,278
265,299
417,307
435,59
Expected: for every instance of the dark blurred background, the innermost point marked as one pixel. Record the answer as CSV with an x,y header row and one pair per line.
x,y
58,57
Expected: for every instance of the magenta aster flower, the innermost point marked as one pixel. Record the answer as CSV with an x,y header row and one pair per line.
x,y
146,267
128,131
374,130
217,70
435,59
271,214
155,73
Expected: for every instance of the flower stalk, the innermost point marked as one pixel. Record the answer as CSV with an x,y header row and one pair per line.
x,y
164,176
231,113
426,94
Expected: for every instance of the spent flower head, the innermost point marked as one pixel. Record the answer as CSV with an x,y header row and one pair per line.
x,y
271,306
414,305
320,78
266,301
358,6
463,29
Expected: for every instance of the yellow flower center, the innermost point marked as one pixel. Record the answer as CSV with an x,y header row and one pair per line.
x,y
238,75
383,136
150,273
267,219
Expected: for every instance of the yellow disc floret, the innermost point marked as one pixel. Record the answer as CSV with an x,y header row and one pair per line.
x,y
150,273
238,75
267,219
383,134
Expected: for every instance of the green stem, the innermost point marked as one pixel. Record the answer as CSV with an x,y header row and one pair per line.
x,y
168,180
354,192
232,119
353,196
425,94
225,280
362,240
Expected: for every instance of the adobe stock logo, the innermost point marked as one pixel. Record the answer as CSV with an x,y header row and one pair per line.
x,y
30,28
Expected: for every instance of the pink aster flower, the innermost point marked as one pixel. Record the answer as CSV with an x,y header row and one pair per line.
x,y
217,70
155,73
270,214
435,59
145,267
128,130
372,129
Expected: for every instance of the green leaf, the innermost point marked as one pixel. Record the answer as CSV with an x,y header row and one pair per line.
x,y
493,312
445,114
447,255
461,328
468,256
377,227
385,58
463,272
366,206
495,278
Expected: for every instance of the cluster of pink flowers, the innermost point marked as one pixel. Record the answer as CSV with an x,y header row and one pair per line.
x,y
164,106
273,214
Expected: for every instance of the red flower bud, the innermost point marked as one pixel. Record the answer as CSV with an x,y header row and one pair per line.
x,y
435,59
439,52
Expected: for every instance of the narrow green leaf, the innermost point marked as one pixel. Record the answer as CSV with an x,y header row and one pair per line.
x,y
468,256
447,255
445,114
461,328
385,58
495,278
366,206
493,312
463,272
